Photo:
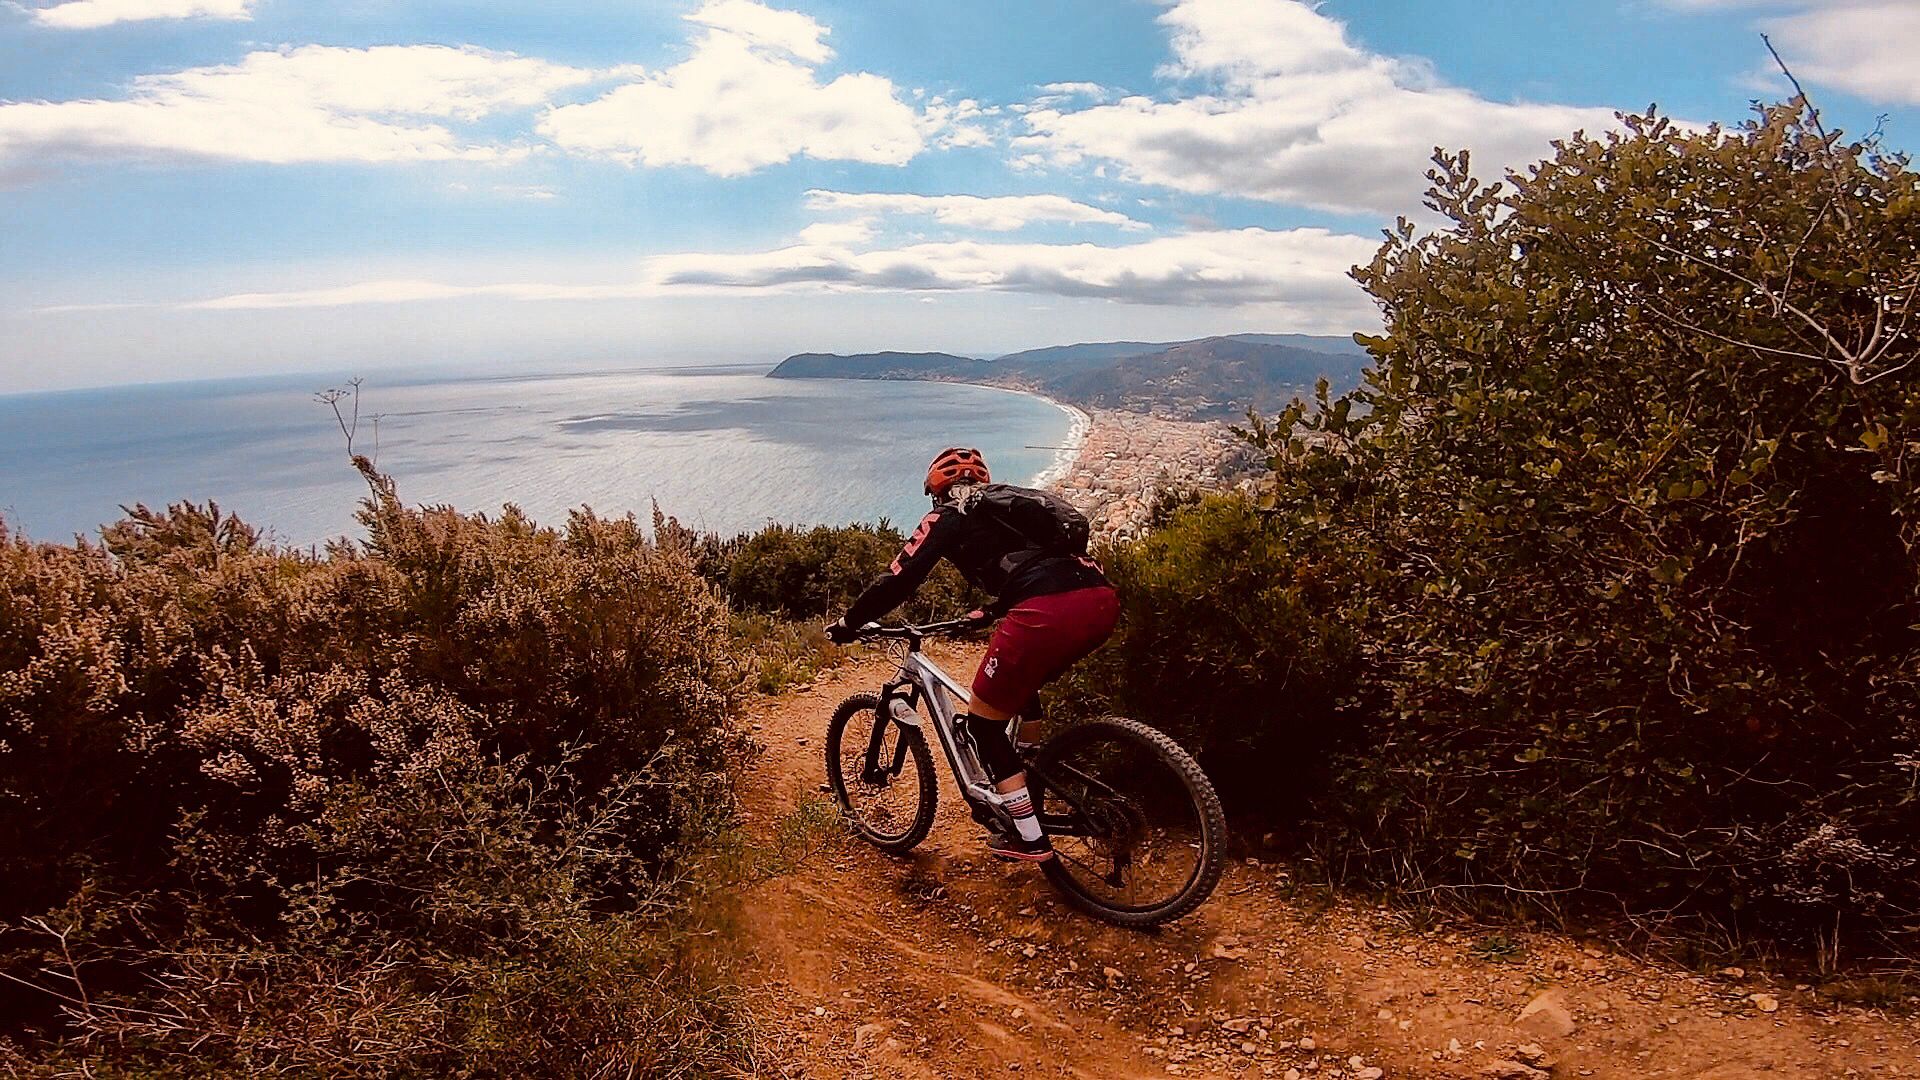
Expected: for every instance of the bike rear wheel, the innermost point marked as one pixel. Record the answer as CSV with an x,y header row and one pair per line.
x,y
883,781
1138,834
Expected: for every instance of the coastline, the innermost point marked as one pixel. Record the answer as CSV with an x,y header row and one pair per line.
x,y
1067,456
1113,462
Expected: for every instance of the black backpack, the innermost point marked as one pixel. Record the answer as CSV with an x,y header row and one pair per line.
x,y
1049,524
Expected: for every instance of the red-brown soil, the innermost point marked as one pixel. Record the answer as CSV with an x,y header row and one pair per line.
x,y
948,963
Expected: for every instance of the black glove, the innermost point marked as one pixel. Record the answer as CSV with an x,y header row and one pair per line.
x,y
979,621
840,633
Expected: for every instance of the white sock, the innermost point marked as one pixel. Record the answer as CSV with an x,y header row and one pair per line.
x,y
1019,805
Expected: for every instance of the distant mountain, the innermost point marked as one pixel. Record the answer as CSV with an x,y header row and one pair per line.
x,y
1097,350
880,365
1206,377
1113,350
1342,344
1209,377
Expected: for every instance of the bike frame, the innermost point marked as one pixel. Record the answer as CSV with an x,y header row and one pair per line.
x,y
921,682
937,699
1087,805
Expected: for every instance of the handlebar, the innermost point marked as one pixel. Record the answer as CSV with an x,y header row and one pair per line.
x,y
914,633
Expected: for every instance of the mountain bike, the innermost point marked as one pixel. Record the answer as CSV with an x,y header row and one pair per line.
x,y
1138,834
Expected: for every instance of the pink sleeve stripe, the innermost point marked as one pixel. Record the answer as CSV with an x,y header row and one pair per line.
x,y
913,543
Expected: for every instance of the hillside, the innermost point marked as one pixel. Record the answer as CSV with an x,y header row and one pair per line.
x,y
1210,377
1336,344
1207,377
880,365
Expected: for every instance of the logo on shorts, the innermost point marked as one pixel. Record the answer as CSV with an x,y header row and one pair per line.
x,y
993,665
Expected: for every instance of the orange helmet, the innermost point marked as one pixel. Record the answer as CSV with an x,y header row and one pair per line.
x,y
955,465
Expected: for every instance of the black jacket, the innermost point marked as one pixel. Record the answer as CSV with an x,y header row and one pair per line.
x,y
988,554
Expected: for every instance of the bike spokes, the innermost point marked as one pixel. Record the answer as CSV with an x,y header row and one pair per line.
x,y
1124,823
881,774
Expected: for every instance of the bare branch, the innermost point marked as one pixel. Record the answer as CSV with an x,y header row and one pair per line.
x,y
1697,329
1813,116
1780,303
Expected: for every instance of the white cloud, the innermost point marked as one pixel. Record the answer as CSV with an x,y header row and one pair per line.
x,y
536,192
1294,273
1057,93
424,80
957,123
1869,48
1222,268
782,31
365,292
749,96
838,233
1248,42
997,213
1272,101
92,14
308,104
1075,89
1865,47
410,291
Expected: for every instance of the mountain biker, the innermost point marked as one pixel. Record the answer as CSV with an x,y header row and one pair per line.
x,y
1054,603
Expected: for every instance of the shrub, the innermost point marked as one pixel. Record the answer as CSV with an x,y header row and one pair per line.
x,y
1230,640
1622,525
776,655
813,574
806,573
1649,534
784,583
452,930
438,793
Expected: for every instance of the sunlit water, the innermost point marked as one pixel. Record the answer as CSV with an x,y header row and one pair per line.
x,y
722,449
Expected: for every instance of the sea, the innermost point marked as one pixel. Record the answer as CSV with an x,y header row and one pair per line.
x,y
724,449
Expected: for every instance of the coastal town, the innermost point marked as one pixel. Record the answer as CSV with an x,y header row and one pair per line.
x,y
1128,457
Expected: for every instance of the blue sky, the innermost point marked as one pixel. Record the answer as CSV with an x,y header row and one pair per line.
x,y
195,188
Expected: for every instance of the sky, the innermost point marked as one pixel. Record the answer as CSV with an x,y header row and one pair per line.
x,y
212,188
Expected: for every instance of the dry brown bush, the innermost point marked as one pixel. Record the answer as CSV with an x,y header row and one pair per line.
x,y
423,805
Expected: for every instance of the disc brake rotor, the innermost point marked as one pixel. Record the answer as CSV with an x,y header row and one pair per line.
x,y
1116,827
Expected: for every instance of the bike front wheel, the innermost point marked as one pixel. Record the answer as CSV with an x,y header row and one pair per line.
x,y
881,774
1138,834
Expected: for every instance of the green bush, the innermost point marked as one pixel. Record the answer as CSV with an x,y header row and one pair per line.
x,y
806,573
1230,640
437,794
1621,528
784,583
812,574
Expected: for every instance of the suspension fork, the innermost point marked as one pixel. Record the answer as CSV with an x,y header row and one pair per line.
x,y
871,770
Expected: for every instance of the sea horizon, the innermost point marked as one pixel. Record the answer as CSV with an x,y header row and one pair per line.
x,y
717,446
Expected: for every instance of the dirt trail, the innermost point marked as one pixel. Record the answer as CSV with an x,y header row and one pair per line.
x,y
951,964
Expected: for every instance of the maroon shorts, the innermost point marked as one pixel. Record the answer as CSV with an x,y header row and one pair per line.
x,y
1039,639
